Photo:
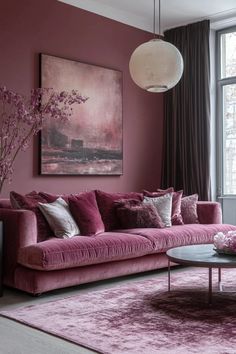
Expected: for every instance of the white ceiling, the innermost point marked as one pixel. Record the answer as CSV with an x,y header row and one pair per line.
x,y
139,13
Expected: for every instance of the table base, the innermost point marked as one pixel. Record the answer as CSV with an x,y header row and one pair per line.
x,y
221,287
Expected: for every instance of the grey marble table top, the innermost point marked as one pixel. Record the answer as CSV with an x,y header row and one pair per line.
x,y
200,256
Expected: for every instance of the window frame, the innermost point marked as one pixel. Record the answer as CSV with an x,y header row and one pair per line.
x,y
220,83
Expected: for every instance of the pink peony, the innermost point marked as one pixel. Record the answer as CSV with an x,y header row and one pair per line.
x,y
225,242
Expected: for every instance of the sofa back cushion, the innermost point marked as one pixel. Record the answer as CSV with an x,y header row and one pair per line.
x,y
85,211
107,208
30,202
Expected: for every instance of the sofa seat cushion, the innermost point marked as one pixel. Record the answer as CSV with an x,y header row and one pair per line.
x,y
180,235
77,251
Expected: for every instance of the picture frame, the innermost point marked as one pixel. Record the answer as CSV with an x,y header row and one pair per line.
x,y
91,142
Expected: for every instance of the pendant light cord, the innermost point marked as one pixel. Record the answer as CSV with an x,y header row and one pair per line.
x,y
154,19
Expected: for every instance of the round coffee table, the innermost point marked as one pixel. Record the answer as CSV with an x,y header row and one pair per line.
x,y
200,256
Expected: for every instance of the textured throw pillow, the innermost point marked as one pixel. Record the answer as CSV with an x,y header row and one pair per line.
x,y
59,218
135,214
176,217
107,208
84,210
30,202
163,206
189,209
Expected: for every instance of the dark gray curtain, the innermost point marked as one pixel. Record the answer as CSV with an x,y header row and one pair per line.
x,y
186,154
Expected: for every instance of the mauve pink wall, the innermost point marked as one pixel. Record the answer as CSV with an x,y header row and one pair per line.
x,y
28,27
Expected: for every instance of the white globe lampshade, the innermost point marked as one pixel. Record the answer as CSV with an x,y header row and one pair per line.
x,y
156,66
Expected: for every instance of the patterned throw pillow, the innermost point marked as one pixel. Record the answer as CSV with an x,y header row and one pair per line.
x,y
30,201
176,217
59,218
189,209
163,206
135,214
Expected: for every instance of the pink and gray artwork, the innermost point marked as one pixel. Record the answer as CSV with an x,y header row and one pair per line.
x,y
90,142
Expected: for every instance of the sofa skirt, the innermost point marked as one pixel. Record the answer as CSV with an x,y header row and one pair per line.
x,y
37,282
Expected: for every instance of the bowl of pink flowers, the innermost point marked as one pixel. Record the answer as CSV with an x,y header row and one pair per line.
x,y
225,243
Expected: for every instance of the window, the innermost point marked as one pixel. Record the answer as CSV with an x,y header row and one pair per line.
x,y
226,81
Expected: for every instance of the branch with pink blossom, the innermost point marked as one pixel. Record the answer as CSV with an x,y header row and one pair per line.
x,y
22,117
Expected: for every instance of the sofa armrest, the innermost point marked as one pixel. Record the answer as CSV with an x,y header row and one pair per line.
x,y
209,213
19,230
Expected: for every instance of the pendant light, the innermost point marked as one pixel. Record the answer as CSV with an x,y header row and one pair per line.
x,y
156,65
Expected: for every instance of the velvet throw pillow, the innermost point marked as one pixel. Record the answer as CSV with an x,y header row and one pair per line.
x,y
189,209
163,205
176,217
135,214
30,201
107,208
60,218
84,210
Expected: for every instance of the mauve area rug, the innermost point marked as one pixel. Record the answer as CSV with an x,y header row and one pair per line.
x,y
142,317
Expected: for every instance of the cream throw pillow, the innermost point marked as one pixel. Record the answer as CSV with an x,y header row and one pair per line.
x,y
163,206
59,218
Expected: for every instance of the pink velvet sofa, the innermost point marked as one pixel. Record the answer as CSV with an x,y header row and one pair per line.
x,y
38,267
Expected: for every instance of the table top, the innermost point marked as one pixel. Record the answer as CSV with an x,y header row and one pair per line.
x,y
200,256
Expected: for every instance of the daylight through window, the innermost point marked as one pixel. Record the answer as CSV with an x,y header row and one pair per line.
x,y
227,107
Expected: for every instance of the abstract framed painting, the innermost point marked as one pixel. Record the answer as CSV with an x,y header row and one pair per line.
x,y
91,141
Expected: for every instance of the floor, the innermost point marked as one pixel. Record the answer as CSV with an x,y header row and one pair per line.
x,y
16,338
